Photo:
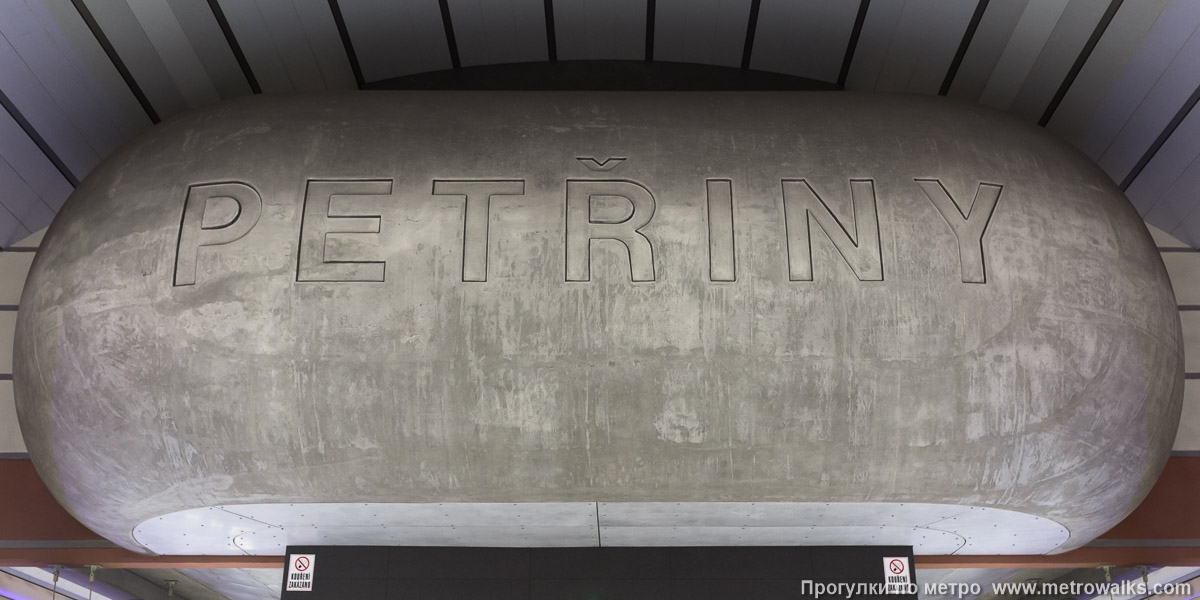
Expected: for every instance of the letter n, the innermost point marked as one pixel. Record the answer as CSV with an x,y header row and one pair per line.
x,y
859,246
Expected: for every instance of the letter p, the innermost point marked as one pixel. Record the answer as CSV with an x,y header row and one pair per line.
x,y
198,228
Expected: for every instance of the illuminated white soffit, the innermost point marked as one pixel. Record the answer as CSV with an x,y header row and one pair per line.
x,y
267,529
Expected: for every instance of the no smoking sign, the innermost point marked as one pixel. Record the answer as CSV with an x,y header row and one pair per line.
x,y
300,572
896,575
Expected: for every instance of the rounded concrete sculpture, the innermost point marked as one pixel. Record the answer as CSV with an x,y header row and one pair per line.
x,y
571,318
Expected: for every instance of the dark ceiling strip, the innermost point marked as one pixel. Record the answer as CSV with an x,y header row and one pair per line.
x,y
1186,453
751,27
852,45
6,377
551,43
1160,140
37,141
1191,375
1188,307
650,9
234,46
1174,249
31,131
8,307
14,456
962,47
448,25
1097,33
98,33
340,21
20,249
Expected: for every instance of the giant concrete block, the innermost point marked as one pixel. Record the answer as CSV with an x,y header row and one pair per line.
x,y
567,318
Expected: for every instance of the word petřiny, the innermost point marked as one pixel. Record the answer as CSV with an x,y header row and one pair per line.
x,y
858,243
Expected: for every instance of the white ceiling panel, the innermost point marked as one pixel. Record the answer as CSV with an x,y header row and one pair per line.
x,y
879,29
1033,29
987,46
101,81
393,38
10,228
1176,207
139,55
313,25
22,203
1167,190
1156,192
291,46
1054,63
806,38
183,65
927,36
490,32
20,152
1175,25
42,64
1177,83
248,25
589,30
39,108
204,34
1099,74
701,31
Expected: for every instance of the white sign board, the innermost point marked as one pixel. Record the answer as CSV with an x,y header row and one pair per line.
x,y
897,575
300,572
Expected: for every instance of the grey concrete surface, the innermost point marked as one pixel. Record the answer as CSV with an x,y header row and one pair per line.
x,y
427,297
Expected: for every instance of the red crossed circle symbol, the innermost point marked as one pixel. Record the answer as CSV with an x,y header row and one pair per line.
x,y
302,563
896,566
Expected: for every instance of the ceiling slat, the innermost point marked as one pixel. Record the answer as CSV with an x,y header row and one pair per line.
x,y
879,30
1033,30
1155,112
1099,74
118,27
701,31
806,38
1067,40
923,48
1165,192
1154,55
44,65
44,115
396,37
499,32
21,152
589,30
1067,80
987,46
174,52
204,36
31,188
319,27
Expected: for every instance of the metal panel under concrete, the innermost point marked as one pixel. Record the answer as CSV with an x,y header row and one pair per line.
x,y
266,529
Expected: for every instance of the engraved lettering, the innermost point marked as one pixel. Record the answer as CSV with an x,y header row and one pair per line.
x,y
197,228
722,260
338,215
861,250
968,227
586,222
478,194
